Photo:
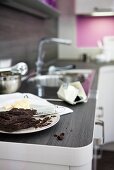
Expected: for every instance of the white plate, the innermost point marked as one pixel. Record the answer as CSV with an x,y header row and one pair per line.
x,y
54,119
39,103
36,101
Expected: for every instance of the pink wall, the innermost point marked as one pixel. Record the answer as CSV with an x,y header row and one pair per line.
x,y
92,29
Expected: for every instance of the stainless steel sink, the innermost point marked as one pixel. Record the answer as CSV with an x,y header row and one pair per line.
x,y
59,77
47,80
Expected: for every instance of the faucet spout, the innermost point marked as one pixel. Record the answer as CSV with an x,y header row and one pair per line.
x,y
41,52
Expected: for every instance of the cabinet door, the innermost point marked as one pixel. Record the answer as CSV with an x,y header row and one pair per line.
x,y
104,4
83,6
26,165
88,6
106,100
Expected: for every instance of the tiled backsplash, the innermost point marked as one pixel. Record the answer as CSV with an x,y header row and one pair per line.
x,y
20,33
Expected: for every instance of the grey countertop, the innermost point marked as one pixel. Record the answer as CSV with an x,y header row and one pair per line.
x,y
77,126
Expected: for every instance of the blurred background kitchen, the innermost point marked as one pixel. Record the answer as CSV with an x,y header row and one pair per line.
x,y
23,24
88,24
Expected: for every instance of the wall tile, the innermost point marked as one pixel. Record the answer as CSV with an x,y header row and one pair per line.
x,y
20,33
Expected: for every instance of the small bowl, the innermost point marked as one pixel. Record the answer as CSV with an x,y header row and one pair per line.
x,y
9,82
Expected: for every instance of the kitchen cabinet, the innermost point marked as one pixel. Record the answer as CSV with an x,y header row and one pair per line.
x,y
34,7
106,101
85,7
42,150
34,156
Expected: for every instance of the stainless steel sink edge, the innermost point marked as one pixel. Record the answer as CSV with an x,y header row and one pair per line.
x,y
66,76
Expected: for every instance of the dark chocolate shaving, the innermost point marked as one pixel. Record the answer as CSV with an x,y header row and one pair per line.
x,y
18,119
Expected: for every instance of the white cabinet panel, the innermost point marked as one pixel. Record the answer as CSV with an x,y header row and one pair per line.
x,y
83,6
21,165
104,4
88,6
106,100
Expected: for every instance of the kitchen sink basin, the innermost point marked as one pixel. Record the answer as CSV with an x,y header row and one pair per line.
x,y
75,72
47,80
67,76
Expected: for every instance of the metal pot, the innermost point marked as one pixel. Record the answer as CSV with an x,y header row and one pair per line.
x,y
9,82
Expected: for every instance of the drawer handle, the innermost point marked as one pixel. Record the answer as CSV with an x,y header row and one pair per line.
x,y
101,123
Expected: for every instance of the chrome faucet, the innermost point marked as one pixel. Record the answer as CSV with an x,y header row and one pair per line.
x,y
41,52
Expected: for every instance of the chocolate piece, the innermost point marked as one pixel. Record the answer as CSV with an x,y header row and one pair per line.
x,y
59,137
17,119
